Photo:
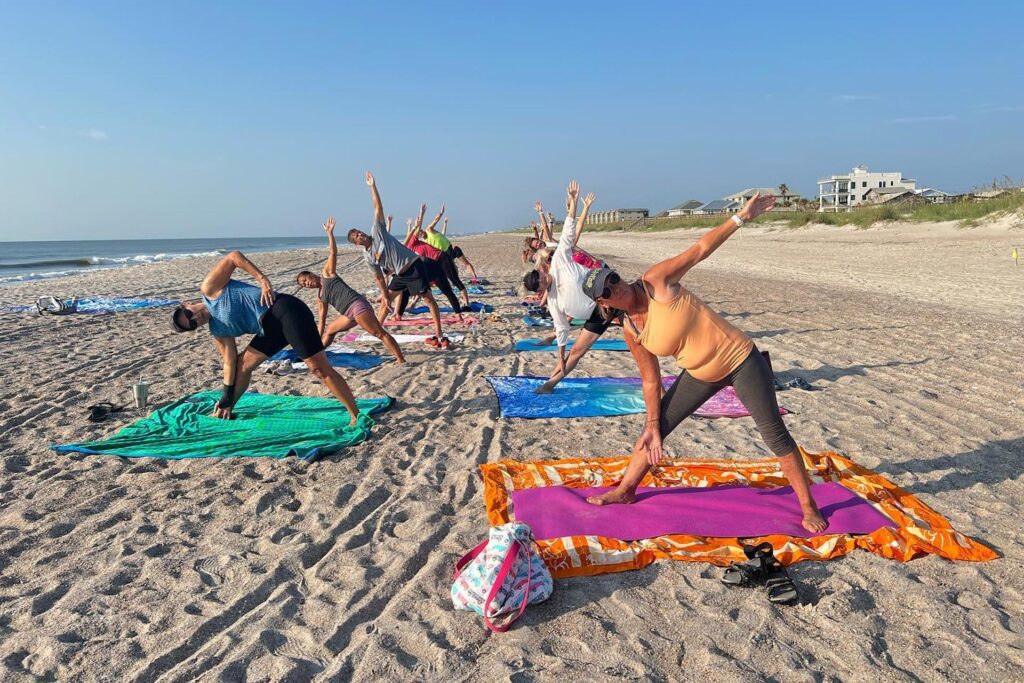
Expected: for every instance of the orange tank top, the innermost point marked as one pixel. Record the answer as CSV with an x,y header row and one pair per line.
x,y
703,343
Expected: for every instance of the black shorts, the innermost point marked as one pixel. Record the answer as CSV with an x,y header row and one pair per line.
x,y
596,322
434,271
413,279
289,322
454,252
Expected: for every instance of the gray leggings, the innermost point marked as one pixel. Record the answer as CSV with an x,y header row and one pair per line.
x,y
755,387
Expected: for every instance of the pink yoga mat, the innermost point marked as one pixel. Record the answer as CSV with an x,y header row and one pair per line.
x,y
724,511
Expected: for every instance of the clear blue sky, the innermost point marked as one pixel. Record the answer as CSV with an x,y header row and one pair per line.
x,y
187,119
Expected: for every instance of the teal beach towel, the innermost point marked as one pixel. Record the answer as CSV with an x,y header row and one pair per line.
x,y
265,425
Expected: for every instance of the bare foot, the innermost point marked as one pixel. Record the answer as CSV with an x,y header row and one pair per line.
x,y
814,522
612,497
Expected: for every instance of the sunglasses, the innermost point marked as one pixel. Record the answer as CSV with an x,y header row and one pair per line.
x,y
613,279
190,317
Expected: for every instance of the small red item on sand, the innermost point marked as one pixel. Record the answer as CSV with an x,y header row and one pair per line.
x,y
445,343
432,342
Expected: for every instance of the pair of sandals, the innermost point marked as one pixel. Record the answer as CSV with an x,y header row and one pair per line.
x,y
763,568
444,343
798,383
279,367
101,411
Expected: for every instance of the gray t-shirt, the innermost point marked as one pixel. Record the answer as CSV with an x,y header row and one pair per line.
x,y
387,252
338,294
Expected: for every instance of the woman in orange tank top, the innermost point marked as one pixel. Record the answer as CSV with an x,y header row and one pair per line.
x,y
663,318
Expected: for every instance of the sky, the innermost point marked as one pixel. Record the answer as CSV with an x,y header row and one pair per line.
x,y
192,119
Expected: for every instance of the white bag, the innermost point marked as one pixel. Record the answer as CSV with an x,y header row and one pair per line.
x,y
502,575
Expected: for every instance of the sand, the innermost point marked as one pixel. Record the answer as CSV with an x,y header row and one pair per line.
x,y
119,569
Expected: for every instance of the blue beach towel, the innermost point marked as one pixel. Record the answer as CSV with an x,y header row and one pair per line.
x,y
353,361
599,345
100,304
472,289
475,307
579,397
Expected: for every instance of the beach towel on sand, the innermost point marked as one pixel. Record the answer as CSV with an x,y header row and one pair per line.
x,y
351,359
265,426
750,498
100,304
399,338
599,345
474,306
596,397
533,321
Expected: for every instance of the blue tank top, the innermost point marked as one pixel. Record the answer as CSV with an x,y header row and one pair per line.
x,y
236,311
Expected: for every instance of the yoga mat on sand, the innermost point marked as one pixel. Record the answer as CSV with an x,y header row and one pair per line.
x,y
596,397
533,321
474,306
399,338
264,426
100,304
684,500
351,359
422,322
732,511
599,345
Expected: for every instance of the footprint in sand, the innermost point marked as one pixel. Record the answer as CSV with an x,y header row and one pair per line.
x,y
214,571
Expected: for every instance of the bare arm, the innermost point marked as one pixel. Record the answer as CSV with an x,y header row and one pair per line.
x,y
330,268
430,228
587,201
419,218
572,194
444,228
217,279
470,266
664,277
229,354
378,206
650,375
545,227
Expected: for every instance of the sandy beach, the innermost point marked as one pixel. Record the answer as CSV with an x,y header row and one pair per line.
x,y
118,569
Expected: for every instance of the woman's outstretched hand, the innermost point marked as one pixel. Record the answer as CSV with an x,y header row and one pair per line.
x,y
573,190
329,225
650,441
757,205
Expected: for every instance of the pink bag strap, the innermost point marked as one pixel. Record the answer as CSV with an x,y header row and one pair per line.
x,y
468,557
506,567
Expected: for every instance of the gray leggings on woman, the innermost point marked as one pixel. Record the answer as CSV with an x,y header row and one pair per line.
x,y
755,387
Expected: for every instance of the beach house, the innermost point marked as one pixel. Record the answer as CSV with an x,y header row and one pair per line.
x,y
684,209
843,192
617,216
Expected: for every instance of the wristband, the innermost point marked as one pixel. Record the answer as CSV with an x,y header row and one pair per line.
x,y
737,220
227,396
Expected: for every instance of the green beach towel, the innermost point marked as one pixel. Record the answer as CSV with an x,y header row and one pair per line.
x,y
265,426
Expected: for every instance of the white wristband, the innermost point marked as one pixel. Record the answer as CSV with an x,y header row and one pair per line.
x,y
737,220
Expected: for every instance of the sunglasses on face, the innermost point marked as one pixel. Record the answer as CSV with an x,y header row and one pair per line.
x,y
190,317
613,279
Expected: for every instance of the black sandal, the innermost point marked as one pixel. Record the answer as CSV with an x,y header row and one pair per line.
x,y
750,572
101,411
781,589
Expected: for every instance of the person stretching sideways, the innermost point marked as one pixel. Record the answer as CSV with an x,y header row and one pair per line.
x,y
561,282
663,318
384,253
352,306
440,246
457,253
234,308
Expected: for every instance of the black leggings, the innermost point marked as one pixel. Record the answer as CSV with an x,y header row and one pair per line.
x,y
755,387
451,271
435,276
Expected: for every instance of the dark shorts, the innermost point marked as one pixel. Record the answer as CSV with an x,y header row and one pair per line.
x,y
455,252
413,279
289,322
596,322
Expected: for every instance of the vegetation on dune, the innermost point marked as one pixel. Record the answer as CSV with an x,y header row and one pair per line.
x,y
968,213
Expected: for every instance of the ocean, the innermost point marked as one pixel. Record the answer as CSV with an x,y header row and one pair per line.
x,y
23,261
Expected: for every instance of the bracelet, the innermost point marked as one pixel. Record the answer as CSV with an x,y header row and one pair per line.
x,y
737,220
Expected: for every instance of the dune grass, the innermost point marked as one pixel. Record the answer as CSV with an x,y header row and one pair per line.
x,y
969,214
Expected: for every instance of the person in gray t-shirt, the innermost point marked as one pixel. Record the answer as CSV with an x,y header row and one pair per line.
x,y
385,254
352,306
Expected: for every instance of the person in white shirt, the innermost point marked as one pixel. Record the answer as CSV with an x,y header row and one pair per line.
x,y
563,284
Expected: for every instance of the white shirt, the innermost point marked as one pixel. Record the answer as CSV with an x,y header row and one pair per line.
x,y
566,299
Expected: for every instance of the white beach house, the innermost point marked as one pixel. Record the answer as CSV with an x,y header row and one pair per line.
x,y
842,192
617,216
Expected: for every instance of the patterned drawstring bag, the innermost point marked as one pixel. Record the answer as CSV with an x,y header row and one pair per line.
x,y
501,576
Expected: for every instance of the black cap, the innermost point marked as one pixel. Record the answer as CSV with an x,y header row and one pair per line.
x,y
593,283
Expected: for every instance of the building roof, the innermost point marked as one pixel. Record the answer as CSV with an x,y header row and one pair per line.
x,y
688,205
889,190
719,205
932,192
774,191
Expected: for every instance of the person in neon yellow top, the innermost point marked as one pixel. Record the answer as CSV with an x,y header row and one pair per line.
x,y
449,253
